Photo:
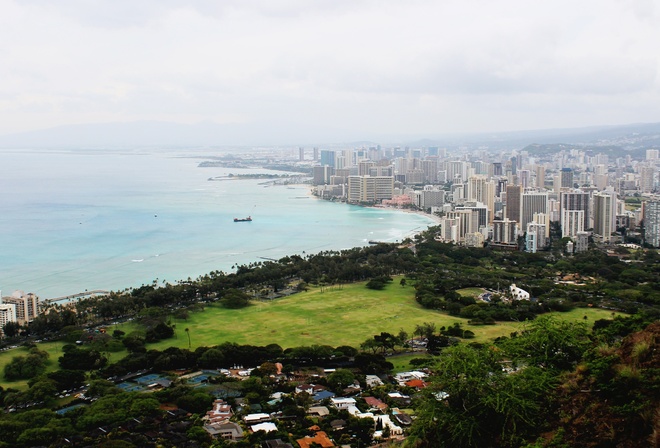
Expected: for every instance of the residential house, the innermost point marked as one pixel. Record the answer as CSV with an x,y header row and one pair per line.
x,y
220,412
226,430
266,427
375,403
320,438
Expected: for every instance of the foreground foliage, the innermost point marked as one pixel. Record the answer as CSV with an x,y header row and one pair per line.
x,y
550,383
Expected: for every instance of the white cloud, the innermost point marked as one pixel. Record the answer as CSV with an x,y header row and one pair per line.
x,y
420,66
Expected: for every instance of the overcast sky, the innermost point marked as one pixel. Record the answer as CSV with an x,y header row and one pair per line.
x,y
411,67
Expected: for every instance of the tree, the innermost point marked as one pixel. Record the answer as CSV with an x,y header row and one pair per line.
x,y
427,329
340,378
26,367
187,330
234,299
43,390
549,343
67,379
471,400
135,341
212,359
11,329
80,359
158,332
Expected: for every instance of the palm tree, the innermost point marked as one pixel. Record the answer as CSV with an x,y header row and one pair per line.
x,y
188,333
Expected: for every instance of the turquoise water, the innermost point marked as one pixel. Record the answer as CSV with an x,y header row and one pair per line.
x,y
72,221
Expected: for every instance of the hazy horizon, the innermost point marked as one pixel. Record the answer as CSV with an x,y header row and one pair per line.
x,y
303,72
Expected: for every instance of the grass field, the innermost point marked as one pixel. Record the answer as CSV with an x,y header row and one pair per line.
x,y
346,315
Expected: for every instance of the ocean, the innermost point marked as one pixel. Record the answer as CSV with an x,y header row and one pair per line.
x,y
81,220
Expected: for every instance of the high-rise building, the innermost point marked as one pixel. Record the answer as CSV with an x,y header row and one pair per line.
x,y
532,202
415,177
480,209
27,305
535,237
456,171
524,179
604,215
540,177
7,314
513,202
544,220
364,166
574,200
321,174
646,179
316,153
467,222
328,157
504,232
566,178
482,190
430,169
652,154
429,197
572,222
370,189
652,223
301,153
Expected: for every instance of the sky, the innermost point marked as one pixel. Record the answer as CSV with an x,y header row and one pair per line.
x,y
413,67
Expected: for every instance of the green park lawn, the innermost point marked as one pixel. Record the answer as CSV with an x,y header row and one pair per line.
x,y
345,315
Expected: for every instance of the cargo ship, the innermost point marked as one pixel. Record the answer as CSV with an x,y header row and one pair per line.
x,y
248,219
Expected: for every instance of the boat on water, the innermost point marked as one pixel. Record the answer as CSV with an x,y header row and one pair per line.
x,y
248,219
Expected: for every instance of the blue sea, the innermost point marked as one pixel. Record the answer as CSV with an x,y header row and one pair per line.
x,y
77,220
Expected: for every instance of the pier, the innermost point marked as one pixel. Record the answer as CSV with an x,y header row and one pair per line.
x,y
80,295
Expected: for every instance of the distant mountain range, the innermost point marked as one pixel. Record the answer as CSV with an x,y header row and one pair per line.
x,y
153,133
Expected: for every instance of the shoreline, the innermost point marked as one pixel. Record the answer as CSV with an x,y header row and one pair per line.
x,y
436,219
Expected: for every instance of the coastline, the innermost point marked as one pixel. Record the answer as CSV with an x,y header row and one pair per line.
x,y
434,218
167,214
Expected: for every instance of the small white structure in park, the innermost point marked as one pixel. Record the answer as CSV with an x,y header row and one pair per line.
x,y
517,293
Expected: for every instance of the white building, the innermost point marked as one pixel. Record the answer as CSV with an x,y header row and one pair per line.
x,y
370,189
517,293
535,237
342,403
7,314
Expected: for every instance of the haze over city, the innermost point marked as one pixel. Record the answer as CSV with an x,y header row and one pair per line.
x,y
295,72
